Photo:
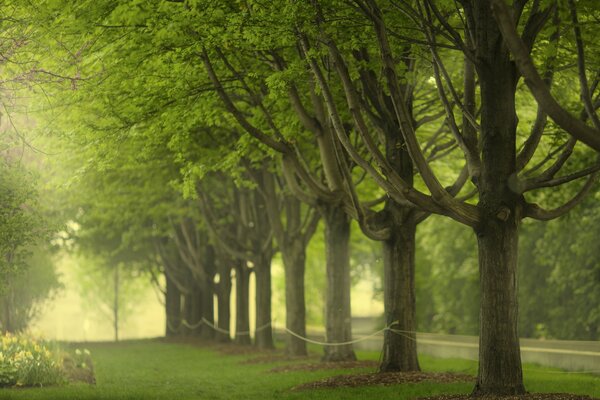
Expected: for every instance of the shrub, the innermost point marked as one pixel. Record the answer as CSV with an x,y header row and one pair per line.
x,y
26,362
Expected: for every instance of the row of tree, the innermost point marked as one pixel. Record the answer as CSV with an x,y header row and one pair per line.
x,y
269,117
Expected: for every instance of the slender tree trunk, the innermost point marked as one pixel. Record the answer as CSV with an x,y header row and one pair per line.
x,y
338,318
263,335
8,325
208,311
172,308
195,316
208,292
116,303
400,348
187,313
242,287
294,261
223,304
500,371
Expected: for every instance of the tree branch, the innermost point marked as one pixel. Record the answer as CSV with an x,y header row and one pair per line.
x,y
536,212
534,81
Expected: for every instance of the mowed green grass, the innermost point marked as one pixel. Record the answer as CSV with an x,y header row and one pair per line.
x,y
158,370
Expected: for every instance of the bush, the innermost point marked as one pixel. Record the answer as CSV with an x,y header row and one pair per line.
x,y
26,362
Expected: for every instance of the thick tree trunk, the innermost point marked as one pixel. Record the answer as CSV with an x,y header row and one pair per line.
x,y
172,308
242,291
263,334
223,304
294,261
499,355
400,348
500,371
338,323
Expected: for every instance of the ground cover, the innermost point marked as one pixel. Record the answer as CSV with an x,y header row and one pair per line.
x,y
154,369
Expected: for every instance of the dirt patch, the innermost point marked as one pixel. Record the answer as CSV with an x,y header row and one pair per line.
x,y
79,369
385,379
326,365
528,396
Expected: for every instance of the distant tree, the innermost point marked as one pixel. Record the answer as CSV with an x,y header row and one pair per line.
x,y
110,291
26,291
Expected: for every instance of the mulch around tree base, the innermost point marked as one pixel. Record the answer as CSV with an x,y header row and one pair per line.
x,y
528,396
384,379
326,365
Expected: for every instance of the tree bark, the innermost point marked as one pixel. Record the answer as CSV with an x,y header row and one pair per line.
x,y
116,303
192,310
223,304
294,261
172,308
263,334
292,240
242,289
400,348
207,311
208,291
338,322
195,315
500,371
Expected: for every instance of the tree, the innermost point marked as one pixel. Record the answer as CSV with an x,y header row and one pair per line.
x,y
490,149
25,292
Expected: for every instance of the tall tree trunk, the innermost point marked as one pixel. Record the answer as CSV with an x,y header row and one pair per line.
x,y
7,317
400,348
208,311
208,292
116,303
172,308
223,304
263,334
192,308
242,289
187,313
500,371
338,318
294,261
195,316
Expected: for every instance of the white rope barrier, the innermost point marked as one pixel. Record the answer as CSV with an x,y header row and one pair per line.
x,y
406,334
216,328
184,323
192,327
334,343
358,340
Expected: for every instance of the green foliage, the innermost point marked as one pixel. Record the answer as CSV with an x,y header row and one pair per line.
x,y
446,278
25,361
27,291
569,255
20,222
559,277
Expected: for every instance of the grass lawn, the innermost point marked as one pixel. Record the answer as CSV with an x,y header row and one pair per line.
x,y
157,370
